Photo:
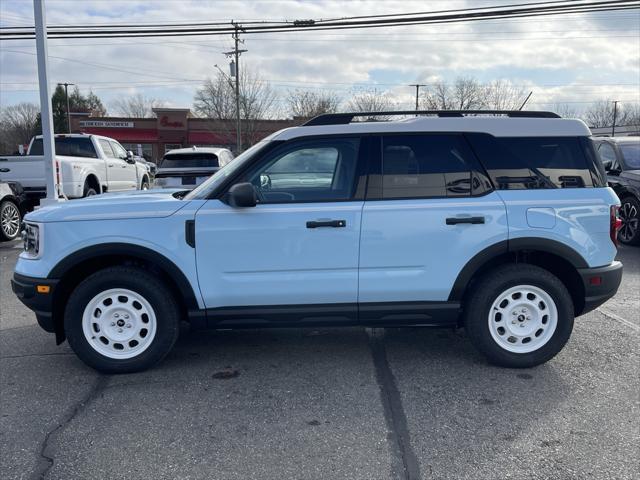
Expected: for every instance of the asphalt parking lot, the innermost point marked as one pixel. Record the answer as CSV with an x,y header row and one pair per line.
x,y
323,404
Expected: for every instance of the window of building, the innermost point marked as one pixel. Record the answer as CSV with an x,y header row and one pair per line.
x,y
423,166
147,149
308,171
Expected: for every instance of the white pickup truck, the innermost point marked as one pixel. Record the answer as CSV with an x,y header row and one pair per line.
x,y
87,165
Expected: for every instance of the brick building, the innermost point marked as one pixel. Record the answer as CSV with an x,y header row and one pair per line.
x,y
175,128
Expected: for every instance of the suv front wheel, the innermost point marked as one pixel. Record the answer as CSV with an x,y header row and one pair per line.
x,y
519,315
121,319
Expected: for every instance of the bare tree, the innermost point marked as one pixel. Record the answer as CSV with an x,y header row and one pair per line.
x,y
307,103
136,106
438,96
600,114
371,101
565,110
18,123
503,95
216,100
467,93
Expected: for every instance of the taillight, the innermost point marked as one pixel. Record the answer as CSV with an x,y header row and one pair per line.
x,y
614,224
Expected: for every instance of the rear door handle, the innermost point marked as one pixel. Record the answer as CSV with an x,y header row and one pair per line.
x,y
326,223
472,220
111,164
5,170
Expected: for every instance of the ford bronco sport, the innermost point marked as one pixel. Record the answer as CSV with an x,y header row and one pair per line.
x,y
499,222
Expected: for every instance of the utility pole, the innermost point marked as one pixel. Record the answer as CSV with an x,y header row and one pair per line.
x,y
48,145
417,85
66,96
235,53
615,116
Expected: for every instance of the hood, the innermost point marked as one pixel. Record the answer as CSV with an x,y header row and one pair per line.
x,y
112,206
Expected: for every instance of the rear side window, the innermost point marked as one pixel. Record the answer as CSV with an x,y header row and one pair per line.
x,y
516,163
426,166
67,146
189,160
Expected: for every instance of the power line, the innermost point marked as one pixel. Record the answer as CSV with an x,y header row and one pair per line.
x,y
462,15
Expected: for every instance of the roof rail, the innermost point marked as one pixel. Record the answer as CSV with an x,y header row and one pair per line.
x,y
345,118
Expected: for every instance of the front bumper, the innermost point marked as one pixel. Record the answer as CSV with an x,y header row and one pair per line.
x,y
600,284
26,289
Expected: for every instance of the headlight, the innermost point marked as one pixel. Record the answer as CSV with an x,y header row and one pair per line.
x,y
31,239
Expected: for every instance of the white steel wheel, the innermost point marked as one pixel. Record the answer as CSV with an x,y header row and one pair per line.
x,y
10,220
523,319
119,323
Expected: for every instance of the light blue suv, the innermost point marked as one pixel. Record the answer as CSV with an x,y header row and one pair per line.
x,y
499,222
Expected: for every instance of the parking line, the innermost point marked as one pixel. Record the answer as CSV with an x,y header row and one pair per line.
x,y
618,318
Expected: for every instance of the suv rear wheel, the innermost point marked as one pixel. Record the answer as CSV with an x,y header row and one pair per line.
x,y
629,213
519,316
121,319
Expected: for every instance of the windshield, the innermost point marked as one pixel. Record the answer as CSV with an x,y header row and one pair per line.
x,y
209,185
189,160
631,155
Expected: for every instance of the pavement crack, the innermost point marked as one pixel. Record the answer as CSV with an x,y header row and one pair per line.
x,y
406,464
46,460
26,355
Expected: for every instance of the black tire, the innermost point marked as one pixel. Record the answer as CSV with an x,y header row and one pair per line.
x,y
139,281
488,289
629,233
88,190
10,220
145,184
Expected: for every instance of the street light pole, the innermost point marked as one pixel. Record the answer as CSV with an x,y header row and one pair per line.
x,y
615,116
48,145
66,96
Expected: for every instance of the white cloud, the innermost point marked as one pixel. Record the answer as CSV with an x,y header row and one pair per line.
x,y
565,58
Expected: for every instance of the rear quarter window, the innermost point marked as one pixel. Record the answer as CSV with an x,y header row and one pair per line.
x,y
516,163
67,146
189,160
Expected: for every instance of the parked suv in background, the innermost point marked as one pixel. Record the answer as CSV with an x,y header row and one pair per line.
x,y
621,159
501,222
189,167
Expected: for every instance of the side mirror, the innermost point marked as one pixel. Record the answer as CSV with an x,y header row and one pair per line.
x,y
242,195
607,164
130,158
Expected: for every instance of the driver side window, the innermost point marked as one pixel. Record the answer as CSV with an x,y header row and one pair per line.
x,y
307,171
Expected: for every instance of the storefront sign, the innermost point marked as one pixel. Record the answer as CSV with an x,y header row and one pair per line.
x,y
102,123
164,121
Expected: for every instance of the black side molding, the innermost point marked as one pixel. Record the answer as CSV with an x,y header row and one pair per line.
x,y
190,233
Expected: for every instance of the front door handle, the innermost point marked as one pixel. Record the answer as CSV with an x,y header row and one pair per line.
x,y
5,170
472,220
326,223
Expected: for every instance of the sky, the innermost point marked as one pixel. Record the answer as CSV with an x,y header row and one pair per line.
x,y
570,59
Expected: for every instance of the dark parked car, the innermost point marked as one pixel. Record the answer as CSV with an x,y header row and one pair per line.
x,y
621,159
13,203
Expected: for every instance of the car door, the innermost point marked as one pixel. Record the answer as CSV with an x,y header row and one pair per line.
x,y
128,172
113,164
296,252
429,210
